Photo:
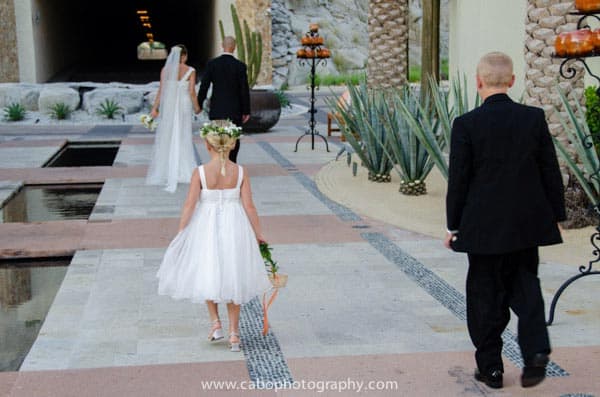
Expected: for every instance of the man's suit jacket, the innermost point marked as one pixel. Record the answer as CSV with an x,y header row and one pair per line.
x,y
505,190
230,93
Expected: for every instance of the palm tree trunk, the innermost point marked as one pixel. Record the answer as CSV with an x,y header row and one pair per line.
x,y
388,43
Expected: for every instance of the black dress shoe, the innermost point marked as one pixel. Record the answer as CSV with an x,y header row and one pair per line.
x,y
535,370
493,379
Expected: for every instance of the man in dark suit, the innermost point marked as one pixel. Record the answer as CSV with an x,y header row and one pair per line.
x,y
505,199
230,92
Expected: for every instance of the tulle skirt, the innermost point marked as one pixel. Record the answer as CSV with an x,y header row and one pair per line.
x,y
216,257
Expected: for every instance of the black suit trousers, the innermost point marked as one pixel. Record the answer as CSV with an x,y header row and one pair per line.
x,y
495,284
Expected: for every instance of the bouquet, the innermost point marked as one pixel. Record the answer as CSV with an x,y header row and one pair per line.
x,y
277,281
220,127
148,122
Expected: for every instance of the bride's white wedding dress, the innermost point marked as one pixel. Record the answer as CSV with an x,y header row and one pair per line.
x,y
173,155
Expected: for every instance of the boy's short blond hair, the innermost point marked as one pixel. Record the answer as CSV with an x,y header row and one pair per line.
x,y
495,70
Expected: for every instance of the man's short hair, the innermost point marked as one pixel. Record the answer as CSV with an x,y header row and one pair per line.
x,y
228,42
495,69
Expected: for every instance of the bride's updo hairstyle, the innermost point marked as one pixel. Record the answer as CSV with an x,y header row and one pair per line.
x,y
222,144
183,49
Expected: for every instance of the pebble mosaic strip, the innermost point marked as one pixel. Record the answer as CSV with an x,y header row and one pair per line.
x,y
577,395
345,214
266,365
444,293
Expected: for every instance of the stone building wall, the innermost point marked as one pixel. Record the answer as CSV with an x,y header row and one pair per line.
x,y
9,61
545,19
258,15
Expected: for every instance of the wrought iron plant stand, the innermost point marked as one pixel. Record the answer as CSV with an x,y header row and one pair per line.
x,y
313,54
568,72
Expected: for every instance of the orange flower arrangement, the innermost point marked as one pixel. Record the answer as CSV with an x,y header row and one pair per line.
x,y
587,5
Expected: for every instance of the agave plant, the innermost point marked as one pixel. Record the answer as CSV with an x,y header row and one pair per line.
x,y
109,109
433,128
412,161
581,139
14,112
60,111
365,129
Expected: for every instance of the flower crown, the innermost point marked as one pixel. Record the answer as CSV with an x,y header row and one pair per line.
x,y
220,127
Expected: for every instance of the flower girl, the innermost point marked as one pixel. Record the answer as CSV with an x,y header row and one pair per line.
x,y
215,255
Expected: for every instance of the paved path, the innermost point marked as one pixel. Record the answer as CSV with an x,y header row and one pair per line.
x,y
365,302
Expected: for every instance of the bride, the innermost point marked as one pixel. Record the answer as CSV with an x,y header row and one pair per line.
x,y
174,155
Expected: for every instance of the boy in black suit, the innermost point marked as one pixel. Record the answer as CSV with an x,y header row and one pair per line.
x,y
230,93
505,199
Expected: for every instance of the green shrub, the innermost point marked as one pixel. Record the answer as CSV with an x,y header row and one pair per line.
x,y
592,112
284,100
414,71
60,111
587,162
14,112
109,109
339,79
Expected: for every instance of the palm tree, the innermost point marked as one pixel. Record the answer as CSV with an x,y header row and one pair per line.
x,y
430,42
388,43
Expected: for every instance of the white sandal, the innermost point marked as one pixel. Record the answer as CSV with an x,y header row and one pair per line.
x,y
235,346
216,331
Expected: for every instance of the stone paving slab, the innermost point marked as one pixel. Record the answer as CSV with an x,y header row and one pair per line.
x,y
33,143
159,380
132,198
26,240
26,157
64,238
35,176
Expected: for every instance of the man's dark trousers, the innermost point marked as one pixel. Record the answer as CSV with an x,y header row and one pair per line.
x,y
496,283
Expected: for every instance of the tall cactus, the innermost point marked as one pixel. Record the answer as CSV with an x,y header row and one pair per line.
x,y
249,45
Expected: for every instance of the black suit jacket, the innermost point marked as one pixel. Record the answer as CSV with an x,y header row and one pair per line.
x,y
505,190
230,93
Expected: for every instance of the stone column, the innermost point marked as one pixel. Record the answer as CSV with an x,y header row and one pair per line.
x,y
258,15
9,59
545,19
388,43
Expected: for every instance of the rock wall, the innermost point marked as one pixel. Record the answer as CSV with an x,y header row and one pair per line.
x,y
283,42
258,15
345,28
343,24
545,19
9,60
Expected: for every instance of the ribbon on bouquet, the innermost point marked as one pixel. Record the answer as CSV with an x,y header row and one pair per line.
x,y
266,307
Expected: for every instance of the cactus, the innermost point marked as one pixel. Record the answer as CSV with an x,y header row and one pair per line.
x,y
249,45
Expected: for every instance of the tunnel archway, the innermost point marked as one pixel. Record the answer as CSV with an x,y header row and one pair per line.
x,y
97,41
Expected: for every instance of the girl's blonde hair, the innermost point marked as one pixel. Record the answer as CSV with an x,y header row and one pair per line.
x,y
222,144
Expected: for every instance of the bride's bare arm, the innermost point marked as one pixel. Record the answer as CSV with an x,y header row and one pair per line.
x,y
248,203
193,95
154,111
191,200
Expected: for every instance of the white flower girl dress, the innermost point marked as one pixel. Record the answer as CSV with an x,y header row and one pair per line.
x,y
216,256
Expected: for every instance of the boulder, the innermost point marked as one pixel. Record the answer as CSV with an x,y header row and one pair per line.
x,y
25,94
53,94
130,100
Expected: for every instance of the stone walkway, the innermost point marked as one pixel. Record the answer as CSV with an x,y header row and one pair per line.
x,y
365,302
